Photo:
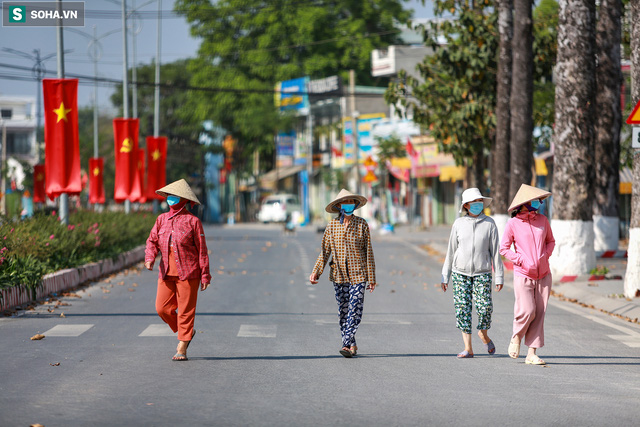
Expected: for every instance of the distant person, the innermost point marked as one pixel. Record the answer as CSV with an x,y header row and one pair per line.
x,y
472,253
178,235
347,241
533,243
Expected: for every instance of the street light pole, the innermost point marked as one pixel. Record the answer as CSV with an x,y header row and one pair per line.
x,y
64,197
125,80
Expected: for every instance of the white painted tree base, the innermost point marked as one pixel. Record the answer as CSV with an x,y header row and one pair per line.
x,y
574,253
501,223
607,233
632,277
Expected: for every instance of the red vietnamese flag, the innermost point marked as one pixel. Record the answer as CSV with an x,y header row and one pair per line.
x,y
61,148
142,197
38,184
125,133
96,180
156,166
410,150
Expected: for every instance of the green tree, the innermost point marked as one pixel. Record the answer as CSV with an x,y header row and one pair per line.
x,y
250,45
457,98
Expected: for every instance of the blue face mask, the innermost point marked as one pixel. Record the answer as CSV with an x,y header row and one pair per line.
x,y
476,207
173,200
348,208
535,205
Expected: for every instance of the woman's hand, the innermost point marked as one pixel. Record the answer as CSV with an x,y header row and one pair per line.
x,y
204,286
313,278
371,286
498,288
444,287
149,265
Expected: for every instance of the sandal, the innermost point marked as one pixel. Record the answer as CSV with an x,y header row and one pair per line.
x,y
354,350
535,360
514,349
346,352
490,346
179,357
465,355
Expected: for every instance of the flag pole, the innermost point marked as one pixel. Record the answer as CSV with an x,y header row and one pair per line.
x,y
125,80
156,104
64,197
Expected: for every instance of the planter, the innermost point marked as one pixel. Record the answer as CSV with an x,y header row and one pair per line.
x,y
69,278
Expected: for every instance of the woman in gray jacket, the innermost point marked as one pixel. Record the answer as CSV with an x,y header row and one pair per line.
x,y
473,251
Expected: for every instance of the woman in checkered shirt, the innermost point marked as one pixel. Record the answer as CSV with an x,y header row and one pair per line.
x,y
348,242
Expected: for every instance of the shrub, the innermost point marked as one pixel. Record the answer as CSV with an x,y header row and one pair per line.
x,y
40,245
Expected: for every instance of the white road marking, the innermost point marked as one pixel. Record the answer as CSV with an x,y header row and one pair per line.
x,y
157,330
257,331
67,330
631,338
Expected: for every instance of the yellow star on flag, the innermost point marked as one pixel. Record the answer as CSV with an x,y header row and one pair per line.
x,y
39,177
62,112
126,146
155,155
96,171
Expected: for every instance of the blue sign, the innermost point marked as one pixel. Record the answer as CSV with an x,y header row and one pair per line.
x,y
284,143
292,94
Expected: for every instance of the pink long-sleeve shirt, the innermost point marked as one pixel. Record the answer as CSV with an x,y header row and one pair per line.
x,y
532,239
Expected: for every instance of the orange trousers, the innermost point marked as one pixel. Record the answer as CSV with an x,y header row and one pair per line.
x,y
181,295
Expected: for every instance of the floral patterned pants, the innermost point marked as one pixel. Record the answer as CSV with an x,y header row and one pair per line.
x,y
466,288
350,300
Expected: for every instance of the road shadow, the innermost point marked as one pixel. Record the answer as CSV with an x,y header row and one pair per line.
x,y
325,356
590,360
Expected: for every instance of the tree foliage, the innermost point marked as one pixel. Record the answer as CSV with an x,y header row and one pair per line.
x,y
456,100
250,45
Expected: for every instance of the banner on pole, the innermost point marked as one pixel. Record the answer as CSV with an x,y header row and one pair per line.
x,y
156,166
96,180
125,132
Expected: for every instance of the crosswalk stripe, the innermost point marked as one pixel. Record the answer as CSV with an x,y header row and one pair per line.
x,y
67,330
257,331
365,322
157,330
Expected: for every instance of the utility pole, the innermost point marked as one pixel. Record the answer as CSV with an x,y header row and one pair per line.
x,y
354,128
125,80
156,98
64,197
3,162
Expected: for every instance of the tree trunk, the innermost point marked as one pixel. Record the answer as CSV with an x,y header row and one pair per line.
x,y
500,151
632,277
522,105
475,169
607,126
574,174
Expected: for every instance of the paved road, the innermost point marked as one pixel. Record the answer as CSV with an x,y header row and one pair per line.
x,y
266,352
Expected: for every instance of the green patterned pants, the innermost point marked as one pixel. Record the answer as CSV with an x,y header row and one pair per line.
x,y
464,289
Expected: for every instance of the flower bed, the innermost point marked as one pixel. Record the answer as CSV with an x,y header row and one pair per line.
x,y
41,246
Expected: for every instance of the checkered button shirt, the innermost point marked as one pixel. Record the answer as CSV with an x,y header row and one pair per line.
x,y
349,245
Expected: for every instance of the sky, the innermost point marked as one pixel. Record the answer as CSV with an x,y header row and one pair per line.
x,y
176,43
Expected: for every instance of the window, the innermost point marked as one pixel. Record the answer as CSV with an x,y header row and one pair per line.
x,y
6,113
18,143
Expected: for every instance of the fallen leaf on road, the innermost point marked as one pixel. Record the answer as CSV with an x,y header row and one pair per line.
x,y
36,425
284,245
244,272
121,283
62,315
134,285
55,364
264,249
149,404
131,290
393,291
592,284
240,259
71,295
268,244
37,337
106,291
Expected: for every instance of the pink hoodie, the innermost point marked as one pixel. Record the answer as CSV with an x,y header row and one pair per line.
x,y
533,242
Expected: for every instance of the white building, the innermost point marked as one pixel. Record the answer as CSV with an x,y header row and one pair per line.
x,y
18,116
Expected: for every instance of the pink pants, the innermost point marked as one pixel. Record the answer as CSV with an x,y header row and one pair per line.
x,y
528,311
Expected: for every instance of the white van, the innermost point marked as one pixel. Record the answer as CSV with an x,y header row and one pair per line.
x,y
275,208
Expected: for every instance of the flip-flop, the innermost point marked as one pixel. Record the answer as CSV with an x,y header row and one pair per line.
x,y
535,361
465,355
490,346
514,348
346,352
179,357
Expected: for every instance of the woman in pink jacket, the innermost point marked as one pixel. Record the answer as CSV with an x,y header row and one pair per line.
x,y
533,242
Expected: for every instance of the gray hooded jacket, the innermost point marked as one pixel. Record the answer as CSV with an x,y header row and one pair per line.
x,y
473,249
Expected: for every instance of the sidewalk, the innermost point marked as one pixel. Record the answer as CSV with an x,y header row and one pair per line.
x,y
602,293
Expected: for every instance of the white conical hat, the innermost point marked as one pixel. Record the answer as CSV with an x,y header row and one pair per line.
x,y
178,188
332,207
471,194
527,193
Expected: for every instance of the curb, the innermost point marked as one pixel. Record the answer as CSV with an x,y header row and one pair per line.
x,y
68,278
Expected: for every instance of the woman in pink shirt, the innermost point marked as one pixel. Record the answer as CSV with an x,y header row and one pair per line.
x,y
530,234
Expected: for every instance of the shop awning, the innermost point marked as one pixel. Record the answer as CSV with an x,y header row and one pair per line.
x,y
269,179
452,173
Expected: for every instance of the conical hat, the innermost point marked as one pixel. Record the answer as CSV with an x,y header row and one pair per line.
x,y
178,188
333,207
525,194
